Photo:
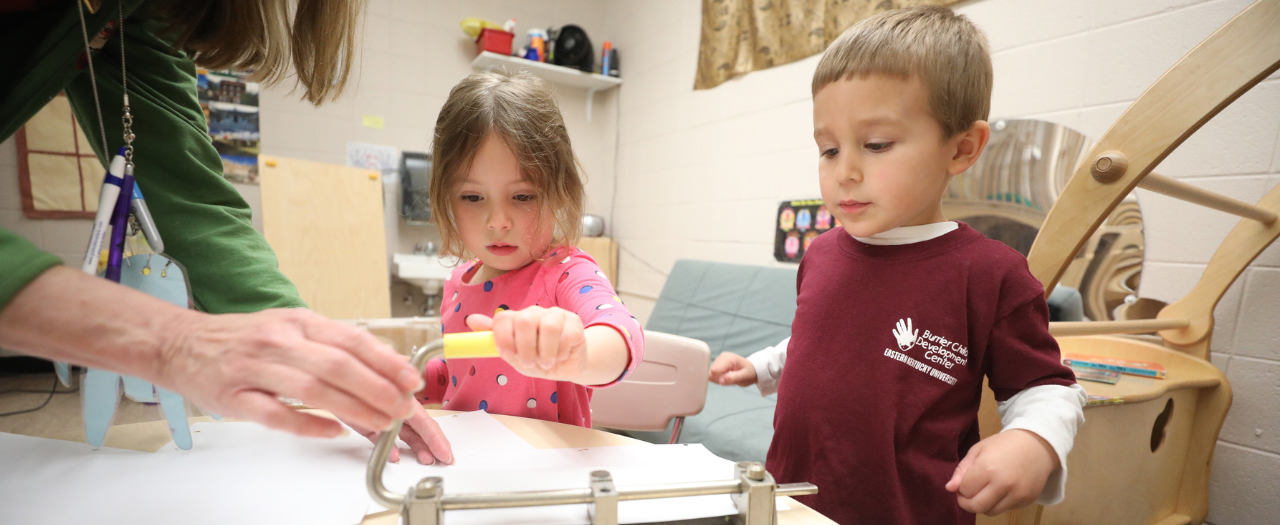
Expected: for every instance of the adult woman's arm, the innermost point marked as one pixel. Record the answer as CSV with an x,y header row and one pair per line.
x,y
233,364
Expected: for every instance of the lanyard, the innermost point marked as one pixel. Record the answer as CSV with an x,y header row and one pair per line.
x,y
120,191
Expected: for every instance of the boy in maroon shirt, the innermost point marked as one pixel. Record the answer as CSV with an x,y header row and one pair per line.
x,y
901,314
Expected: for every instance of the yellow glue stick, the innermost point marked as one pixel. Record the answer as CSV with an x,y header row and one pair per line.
x,y
469,345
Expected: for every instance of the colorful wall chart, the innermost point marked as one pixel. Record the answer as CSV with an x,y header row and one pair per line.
x,y
799,223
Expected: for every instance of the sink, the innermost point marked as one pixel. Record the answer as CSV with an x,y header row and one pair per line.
x,y
428,272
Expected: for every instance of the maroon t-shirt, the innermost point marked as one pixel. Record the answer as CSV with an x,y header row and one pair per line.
x,y
878,401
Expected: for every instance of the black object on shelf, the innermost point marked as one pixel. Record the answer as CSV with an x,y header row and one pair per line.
x,y
573,49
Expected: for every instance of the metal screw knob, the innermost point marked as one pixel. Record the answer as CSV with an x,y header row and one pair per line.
x,y
755,472
427,487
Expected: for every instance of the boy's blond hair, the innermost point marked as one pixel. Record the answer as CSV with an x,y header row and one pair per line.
x,y
945,50
521,109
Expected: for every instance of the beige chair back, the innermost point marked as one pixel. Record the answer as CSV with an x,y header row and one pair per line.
x,y
670,383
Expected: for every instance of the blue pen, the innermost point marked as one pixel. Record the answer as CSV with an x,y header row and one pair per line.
x,y
148,225
119,223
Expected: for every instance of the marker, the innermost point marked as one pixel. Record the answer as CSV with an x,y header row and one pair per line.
x,y
119,223
106,207
144,220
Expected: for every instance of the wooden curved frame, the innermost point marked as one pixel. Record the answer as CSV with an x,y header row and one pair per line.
x,y
1237,56
1213,75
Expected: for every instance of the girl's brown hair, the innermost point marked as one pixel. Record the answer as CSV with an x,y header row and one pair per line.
x,y
319,43
522,110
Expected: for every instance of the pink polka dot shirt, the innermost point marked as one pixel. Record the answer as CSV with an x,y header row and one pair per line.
x,y
569,279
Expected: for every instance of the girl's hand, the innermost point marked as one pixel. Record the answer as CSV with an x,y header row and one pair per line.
x,y
546,343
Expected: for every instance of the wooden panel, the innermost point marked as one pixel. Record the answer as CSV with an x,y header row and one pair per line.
x,y
325,224
605,251
1114,475
1108,457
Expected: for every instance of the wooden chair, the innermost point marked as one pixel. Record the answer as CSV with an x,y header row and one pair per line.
x,y
1143,456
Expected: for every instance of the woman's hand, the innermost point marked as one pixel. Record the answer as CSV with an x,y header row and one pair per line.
x,y
423,435
238,364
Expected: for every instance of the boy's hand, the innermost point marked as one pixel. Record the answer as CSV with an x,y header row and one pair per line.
x,y
1003,472
546,343
732,369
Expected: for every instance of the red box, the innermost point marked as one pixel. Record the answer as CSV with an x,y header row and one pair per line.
x,y
494,41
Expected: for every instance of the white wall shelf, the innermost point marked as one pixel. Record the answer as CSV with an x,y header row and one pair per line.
x,y
561,75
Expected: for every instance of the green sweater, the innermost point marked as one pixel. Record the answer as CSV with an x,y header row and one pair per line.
x,y
204,221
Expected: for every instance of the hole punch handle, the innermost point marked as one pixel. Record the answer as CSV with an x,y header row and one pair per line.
x,y
462,345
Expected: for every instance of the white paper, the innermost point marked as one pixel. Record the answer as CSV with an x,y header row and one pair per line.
x,y
472,436
246,474
283,479
478,434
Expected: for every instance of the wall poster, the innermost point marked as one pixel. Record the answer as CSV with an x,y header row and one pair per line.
x,y
798,223
230,105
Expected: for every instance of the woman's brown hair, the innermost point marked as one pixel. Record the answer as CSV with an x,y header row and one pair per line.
x,y
257,35
522,110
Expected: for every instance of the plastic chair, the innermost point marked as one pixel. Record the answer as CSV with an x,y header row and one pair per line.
x,y
671,383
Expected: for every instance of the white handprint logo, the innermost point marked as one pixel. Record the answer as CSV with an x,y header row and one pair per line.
x,y
904,334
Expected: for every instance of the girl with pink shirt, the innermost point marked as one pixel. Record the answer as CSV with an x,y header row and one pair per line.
x,y
506,190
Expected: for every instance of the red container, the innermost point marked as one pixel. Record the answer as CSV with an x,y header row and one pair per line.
x,y
494,41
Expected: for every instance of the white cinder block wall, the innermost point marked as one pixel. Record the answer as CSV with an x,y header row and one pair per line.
x,y
700,174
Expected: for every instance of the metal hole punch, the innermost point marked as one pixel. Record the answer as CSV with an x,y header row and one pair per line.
x,y
753,491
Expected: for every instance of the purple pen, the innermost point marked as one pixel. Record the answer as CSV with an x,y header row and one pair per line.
x,y
119,223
